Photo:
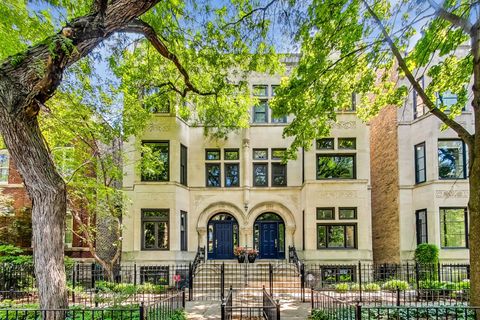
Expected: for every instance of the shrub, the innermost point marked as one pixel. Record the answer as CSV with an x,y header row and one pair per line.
x,y
426,253
371,287
12,254
393,285
318,314
355,287
342,287
151,288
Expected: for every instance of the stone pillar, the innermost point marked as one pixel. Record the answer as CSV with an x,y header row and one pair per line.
x,y
202,237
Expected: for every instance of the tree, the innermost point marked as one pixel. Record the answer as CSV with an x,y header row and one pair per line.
x,y
356,46
191,39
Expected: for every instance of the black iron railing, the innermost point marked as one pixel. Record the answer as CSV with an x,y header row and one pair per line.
x,y
164,309
267,308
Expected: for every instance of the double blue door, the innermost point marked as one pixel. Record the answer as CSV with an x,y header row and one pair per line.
x,y
222,240
269,244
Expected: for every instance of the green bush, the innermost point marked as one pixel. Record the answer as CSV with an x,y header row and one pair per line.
x,y
393,285
318,314
151,288
342,287
12,254
426,253
178,315
371,287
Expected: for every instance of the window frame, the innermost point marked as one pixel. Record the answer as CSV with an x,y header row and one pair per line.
x,y
254,112
260,149
355,213
326,139
354,169
211,164
225,174
266,174
418,227
237,150
422,144
284,175
464,162
332,209
260,86
327,225
183,165
465,220
347,139
207,150
183,233
155,220
142,177
7,167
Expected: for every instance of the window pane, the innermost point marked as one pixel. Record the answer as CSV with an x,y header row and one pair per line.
x,y
420,172
157,214
231,175
183,164
336,237
452,228
162,235
446,99
274,88
260,91
260,154
451,160
282,119
279,174
421,226
260,177
321,236
326,143
213,175
210,238
149,235
350,237
260,112
335,166
281,237
347,143
348,213
325,214
155,161
3,175
278,154
231,154
212,154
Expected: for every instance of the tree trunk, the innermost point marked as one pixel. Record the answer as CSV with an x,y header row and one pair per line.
x,y
47,191
474,233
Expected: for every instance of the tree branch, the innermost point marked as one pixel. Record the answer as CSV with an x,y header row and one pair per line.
x,y
248,14
459,129
454,19
139,26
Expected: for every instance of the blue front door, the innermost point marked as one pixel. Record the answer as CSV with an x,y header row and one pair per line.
x,y
268,240
223,240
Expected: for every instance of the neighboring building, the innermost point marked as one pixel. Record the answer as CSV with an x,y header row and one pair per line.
x,y
419,182
220,194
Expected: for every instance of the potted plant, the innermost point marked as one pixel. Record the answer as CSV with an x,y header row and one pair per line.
x,y
240,252
252,255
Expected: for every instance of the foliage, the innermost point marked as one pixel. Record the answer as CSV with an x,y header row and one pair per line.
x,y
319,314
444,285
12,254
239,251
178,315
342,287
394,284
426,253
371,287
406,313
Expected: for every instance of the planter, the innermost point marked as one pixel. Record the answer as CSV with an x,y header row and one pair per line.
x,y
251,258
241,258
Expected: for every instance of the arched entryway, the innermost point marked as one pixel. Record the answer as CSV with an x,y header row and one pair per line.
x,y
222,236
269,236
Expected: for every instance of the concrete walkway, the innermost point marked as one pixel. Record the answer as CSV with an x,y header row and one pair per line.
x,y
289,310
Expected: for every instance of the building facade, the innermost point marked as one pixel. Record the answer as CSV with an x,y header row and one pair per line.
x,y
420,193
220,194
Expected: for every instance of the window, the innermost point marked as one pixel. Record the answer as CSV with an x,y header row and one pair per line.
x,y
212,154
260,90
4,164
335,166
347,213
231,154
420,163
446,99
336,236
155,229
68,229
347,143
453,228
451,159
279,175
260,154
260,112
278,154
419,108
325,144
421,226
354,102
260,174
155,161
183,231
183,165
232,175
325,214
274,88
213,172
282,119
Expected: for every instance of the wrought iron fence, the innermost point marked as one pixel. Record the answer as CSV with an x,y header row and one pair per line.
x,y
72,314
235,307
408,313
166,308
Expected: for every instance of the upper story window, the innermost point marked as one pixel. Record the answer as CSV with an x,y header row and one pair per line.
x,y
183,165
336,166
260,112
446,99
4,166
155,161
232,154
420,163
419,108
451,159
421,226
347,143
325,213
260,174
155,227
453,228
212,154
232,169
260,154
336,236
213,167
260,90
278,169
325,144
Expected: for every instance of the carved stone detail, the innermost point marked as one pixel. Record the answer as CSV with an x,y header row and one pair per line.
x,y
338,194
344,125
446,194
